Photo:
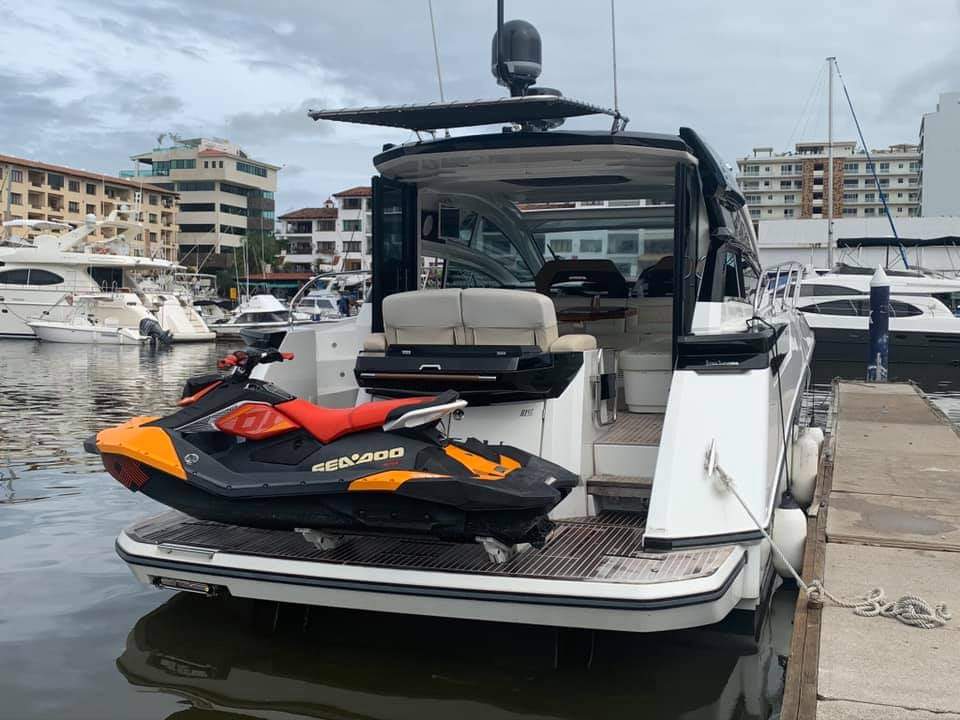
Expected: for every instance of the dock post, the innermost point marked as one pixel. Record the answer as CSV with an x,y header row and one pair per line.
x,y
879,326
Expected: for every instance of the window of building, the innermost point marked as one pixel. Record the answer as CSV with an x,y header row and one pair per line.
x,y
197,228
591,245
851,182
74,186
298,227
786,184
234,189
850,212
351,203
16,199
817,210
73,207
789,198
915,166
884,182
153,237
152,218
899,195
326,225
869,211
233,230
786,169
206,163
884,167
55,181
751,184
221,164
851,167
754,212
752,198
769,197
251,169
869,197
818,182
327,247
154,199
899,181
766,183
912,196
233,209
849,197
16,175
197,186
817,166
818,196
900,166
352,225
751,170
352,246
788,212
913,212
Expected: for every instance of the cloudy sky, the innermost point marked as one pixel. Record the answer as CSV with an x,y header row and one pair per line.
x,y
89,83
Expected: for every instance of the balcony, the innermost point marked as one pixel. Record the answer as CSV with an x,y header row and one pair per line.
x,y
297,258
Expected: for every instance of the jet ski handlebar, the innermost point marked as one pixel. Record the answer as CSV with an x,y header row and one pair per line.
x,y
243,361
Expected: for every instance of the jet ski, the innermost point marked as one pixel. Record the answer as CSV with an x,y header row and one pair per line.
x,y
241,451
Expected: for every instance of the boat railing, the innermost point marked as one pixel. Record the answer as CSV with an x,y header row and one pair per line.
x,y
779,287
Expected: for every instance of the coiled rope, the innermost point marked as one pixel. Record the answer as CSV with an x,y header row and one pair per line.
x,y
909,609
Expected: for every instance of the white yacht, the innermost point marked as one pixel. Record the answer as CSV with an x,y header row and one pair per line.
x,y
259,312
708,390
924,329
81,326
37,276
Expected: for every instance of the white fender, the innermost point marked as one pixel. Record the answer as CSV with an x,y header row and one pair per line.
x,y
790,534
806,463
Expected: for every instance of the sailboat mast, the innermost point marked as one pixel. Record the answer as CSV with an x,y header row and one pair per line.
x,y
830,61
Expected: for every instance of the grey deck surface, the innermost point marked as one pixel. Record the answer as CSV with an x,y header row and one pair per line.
x,y
606,548
893,521
633,429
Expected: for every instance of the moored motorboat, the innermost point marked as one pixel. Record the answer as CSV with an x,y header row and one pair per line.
x,y
260,312
80,330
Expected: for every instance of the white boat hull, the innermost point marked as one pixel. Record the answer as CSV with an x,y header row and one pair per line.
x,y
49,331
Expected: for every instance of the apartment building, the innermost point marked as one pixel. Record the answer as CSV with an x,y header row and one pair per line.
x,y
224,195
939,158
41,191
792,185
334,237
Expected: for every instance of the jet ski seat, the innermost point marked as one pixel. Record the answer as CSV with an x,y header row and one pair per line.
x,y
330,424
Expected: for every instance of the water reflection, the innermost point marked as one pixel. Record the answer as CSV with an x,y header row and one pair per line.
x,y
256,659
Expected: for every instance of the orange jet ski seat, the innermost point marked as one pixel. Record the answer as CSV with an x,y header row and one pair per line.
x,y
329,424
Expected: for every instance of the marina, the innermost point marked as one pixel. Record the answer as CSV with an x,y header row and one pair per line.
x,y
558,415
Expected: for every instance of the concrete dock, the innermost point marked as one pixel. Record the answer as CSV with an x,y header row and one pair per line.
x,y
886,514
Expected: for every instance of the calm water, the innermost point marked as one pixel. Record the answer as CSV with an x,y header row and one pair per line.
x,y
80,638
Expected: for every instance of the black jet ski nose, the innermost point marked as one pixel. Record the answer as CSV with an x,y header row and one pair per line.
x,y
90,445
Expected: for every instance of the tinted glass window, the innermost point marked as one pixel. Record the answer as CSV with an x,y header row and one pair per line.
x,y
836,307
44,277
902,309
14,277
827,290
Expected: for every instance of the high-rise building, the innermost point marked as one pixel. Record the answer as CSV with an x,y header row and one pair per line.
x,y
939,157
41,191
780,186
336,236
224,195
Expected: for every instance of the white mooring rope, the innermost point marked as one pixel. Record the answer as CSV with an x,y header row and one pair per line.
x,y
908,609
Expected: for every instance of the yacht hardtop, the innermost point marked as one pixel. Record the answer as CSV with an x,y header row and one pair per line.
x,y
506,267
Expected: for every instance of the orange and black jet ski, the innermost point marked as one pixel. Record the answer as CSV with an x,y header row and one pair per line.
x,y
244,452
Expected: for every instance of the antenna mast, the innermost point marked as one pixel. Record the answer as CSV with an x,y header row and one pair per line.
x,y
830,62
436,49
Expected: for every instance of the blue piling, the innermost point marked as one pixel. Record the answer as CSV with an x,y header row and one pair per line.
x,y
879,327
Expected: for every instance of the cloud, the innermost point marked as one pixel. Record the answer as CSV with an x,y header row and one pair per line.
x,y
91,82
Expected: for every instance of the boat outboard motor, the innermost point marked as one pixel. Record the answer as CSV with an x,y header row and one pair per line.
x,y
158,336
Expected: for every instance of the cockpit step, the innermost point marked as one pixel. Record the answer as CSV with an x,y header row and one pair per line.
x,y
619,486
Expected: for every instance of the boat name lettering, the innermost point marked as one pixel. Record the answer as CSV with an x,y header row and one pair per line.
x,y
347,461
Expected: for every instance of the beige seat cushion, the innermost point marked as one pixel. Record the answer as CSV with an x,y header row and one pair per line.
x,y
508,317
423,317
574,343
